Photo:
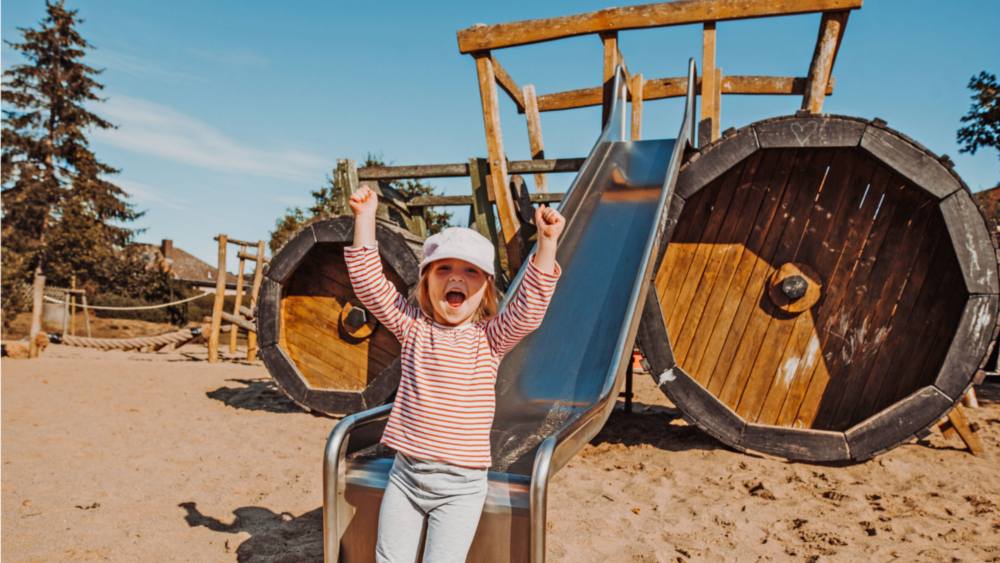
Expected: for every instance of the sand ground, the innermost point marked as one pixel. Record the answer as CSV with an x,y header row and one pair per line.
x,y
121,456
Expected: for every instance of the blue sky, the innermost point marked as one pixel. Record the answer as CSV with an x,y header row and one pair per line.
x,y
230,112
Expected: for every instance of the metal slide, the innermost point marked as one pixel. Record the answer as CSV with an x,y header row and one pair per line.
x,y
556,389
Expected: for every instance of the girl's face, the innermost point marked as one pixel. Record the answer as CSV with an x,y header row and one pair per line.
x,y
456,289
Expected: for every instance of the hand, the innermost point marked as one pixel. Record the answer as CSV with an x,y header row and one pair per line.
x,y
364,202
549,222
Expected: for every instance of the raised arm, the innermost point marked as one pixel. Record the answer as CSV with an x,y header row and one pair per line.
x,y
527,310
364,266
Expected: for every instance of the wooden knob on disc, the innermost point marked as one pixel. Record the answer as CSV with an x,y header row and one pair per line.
x,y
794,287
356,321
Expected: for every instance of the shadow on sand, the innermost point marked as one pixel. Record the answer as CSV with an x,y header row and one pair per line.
x,y
256,395
274,537
651,425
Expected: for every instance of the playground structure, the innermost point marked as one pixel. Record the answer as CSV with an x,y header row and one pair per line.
x,y
241,317
836,276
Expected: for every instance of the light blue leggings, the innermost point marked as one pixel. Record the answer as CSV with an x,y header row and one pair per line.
x,y
433,500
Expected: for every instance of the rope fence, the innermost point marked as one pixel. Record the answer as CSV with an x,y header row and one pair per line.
x,y
137,308
158,341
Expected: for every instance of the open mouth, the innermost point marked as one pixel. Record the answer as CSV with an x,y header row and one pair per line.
x,y
455,298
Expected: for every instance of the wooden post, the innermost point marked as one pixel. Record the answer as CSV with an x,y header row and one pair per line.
x,y
346,180
708,129
717,117
86,313
535,135
38,290
72,306
258,276
610,40
220,296
65,324
419,221
509,224
234,332
482,208
637,107
968,432
831,29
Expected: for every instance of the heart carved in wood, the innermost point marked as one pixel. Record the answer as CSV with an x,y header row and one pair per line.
x,y
803,132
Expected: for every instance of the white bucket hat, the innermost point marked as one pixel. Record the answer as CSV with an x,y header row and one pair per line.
x,y
462,243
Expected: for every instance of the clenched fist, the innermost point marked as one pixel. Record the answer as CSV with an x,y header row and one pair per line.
x,y
549,222
364,202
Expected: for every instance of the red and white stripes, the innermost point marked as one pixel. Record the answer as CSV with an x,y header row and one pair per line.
x,y
445,403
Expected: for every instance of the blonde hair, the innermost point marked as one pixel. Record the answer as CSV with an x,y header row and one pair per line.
x,y
487,308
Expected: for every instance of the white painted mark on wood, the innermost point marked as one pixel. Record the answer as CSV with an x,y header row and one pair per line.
x,y
787,371
667,376
974,267
982,320
803,132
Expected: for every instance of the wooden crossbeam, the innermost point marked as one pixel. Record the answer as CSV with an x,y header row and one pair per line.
x,y
507,84
462,169
454,200
660,88
512,34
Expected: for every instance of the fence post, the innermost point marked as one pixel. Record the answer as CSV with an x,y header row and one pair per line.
x,y
220,296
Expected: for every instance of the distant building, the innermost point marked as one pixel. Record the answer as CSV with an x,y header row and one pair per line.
x,y
186,267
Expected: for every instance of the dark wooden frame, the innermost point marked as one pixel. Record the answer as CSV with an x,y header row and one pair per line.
x,y
971,237
397,246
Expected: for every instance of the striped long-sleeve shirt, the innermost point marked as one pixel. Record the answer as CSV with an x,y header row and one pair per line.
x,y
446,400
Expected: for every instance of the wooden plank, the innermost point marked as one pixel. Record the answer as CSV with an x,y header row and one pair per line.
x,y
551,165
652,337
482,210
770,182
535,135
796,443
810,132
509,225
745,289
235,241
830,32
708,74
284,373
820,245
676,87
971,342
894,306
220,295
843,335
239,322
336,229
499,36
717,117
291,254
248,256
909,162
415,171
316,372
702,233
897,424
258,275
335,402
805,351
726,248
268,313
670,219
507,84
971,241
969,435
610,41
715,161
238,301
338,370
637,107
463,200
705,411
735,366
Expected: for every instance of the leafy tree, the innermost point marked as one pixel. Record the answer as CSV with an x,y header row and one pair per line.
x,y
324,201
983,117
60,217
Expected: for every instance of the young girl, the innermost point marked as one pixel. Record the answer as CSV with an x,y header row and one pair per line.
x,y
451,347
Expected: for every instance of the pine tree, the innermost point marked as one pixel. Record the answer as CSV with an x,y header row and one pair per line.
x,y
983,117
58,210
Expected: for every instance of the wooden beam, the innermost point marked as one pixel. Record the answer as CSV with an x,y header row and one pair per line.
x,y
457,170
535,135
239,298
509,224
248,256
237,242
482,208
220,296
637,107
830,32
258,275
458,200
660,88
717,118
610,41
708,85
507,84
499,36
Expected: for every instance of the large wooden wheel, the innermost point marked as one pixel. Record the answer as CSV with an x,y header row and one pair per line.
x,y
829,290
321,347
